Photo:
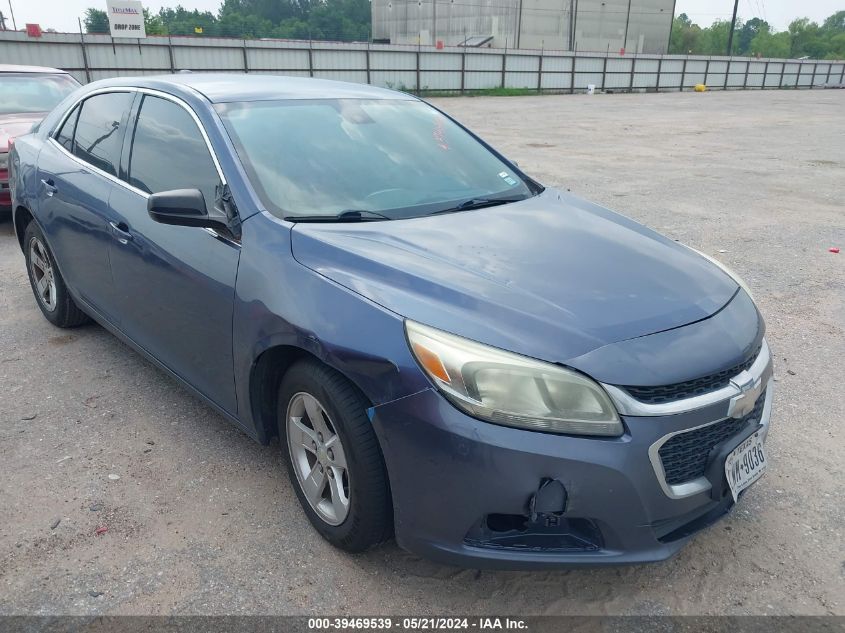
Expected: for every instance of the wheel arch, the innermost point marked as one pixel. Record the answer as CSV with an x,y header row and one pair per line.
x,y
21,219
266,376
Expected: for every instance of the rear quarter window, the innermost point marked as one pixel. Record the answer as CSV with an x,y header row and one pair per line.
x,y
65,135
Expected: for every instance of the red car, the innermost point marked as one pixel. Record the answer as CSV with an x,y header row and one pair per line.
x,y
27,94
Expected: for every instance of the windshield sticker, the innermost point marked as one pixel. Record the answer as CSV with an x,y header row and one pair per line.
x,y
507,178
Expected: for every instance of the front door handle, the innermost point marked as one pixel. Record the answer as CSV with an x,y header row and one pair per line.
x,y
121,232
49,186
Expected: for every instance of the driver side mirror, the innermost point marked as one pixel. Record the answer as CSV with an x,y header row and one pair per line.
x,y
182,207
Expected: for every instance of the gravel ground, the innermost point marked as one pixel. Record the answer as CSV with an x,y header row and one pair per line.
x,y
204,521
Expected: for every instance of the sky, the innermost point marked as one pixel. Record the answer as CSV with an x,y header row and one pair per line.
x,y
62,14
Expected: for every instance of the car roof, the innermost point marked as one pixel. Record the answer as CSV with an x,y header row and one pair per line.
x,y
225,88
46,70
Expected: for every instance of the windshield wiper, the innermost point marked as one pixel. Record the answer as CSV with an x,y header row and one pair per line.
x,y
479,203
349,215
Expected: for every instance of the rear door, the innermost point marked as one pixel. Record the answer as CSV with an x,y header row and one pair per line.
x,y
175,285
77,171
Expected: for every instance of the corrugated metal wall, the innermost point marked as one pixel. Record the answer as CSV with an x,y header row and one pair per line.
x,y
412,68
639,26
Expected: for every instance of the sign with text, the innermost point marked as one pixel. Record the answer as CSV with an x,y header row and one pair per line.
x,y
126,18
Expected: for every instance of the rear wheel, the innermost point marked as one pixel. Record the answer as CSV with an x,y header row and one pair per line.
x,y
47,283
334,460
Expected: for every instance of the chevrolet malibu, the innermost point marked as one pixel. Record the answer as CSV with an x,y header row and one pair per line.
x,y
499,373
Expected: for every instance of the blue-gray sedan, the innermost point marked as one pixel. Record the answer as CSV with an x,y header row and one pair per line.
x,y
500,373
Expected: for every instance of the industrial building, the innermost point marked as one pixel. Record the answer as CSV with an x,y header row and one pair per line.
x,y
638,26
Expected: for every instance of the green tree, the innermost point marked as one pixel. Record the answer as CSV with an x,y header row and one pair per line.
x,y
749,31
768,44
153,24
807,40
180,21
274,11
833,34
685,36
244,26
714,40
836,47
96,21
756,37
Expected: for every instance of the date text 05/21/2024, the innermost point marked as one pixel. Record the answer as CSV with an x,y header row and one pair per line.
x,y
418,623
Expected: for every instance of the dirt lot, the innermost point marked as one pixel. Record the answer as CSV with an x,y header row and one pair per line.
x,y
202,520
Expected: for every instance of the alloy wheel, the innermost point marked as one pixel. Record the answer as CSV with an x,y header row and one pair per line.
x,y
318,458
43,276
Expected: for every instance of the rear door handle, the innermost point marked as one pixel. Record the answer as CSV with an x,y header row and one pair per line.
x,y
49,186
121,232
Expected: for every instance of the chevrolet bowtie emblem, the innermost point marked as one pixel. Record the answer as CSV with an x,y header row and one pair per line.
x,y
743,403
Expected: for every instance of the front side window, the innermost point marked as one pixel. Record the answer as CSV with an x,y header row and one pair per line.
x,y
398,158
169,152
33,92
99,130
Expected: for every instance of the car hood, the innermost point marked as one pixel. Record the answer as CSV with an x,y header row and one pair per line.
x,y
552,277
15,125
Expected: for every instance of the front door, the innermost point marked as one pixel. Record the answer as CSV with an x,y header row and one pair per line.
x,y
175,285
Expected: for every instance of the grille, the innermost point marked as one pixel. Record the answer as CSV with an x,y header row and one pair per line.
x,y
690,388
684,456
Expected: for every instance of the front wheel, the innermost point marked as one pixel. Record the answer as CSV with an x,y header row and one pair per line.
x,y
334,459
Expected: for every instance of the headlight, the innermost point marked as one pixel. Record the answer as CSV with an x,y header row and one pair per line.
x,y
740,282
4,161
512,390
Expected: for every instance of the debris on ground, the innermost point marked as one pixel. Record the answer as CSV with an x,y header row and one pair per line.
x,y
55,523
114,477
101,530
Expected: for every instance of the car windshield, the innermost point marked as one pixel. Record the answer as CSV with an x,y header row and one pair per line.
x,y
33,92
364,159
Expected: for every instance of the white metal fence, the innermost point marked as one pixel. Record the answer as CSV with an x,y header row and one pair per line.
x,y
411,68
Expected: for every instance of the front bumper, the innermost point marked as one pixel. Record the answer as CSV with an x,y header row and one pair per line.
x,y
450,472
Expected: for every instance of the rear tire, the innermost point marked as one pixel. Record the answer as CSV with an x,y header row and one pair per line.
x,y
335,456
48,286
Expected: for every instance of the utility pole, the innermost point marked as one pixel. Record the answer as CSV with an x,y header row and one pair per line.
x,y
627,22
2,21
733,26
434,23
12,11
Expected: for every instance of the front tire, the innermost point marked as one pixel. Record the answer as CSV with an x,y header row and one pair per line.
x,y
48,286
334,459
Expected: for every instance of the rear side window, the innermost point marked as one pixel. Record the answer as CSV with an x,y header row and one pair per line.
x,y
99,130
65,135
169,152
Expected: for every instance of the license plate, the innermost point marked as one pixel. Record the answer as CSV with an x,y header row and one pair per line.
x,y
745,464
